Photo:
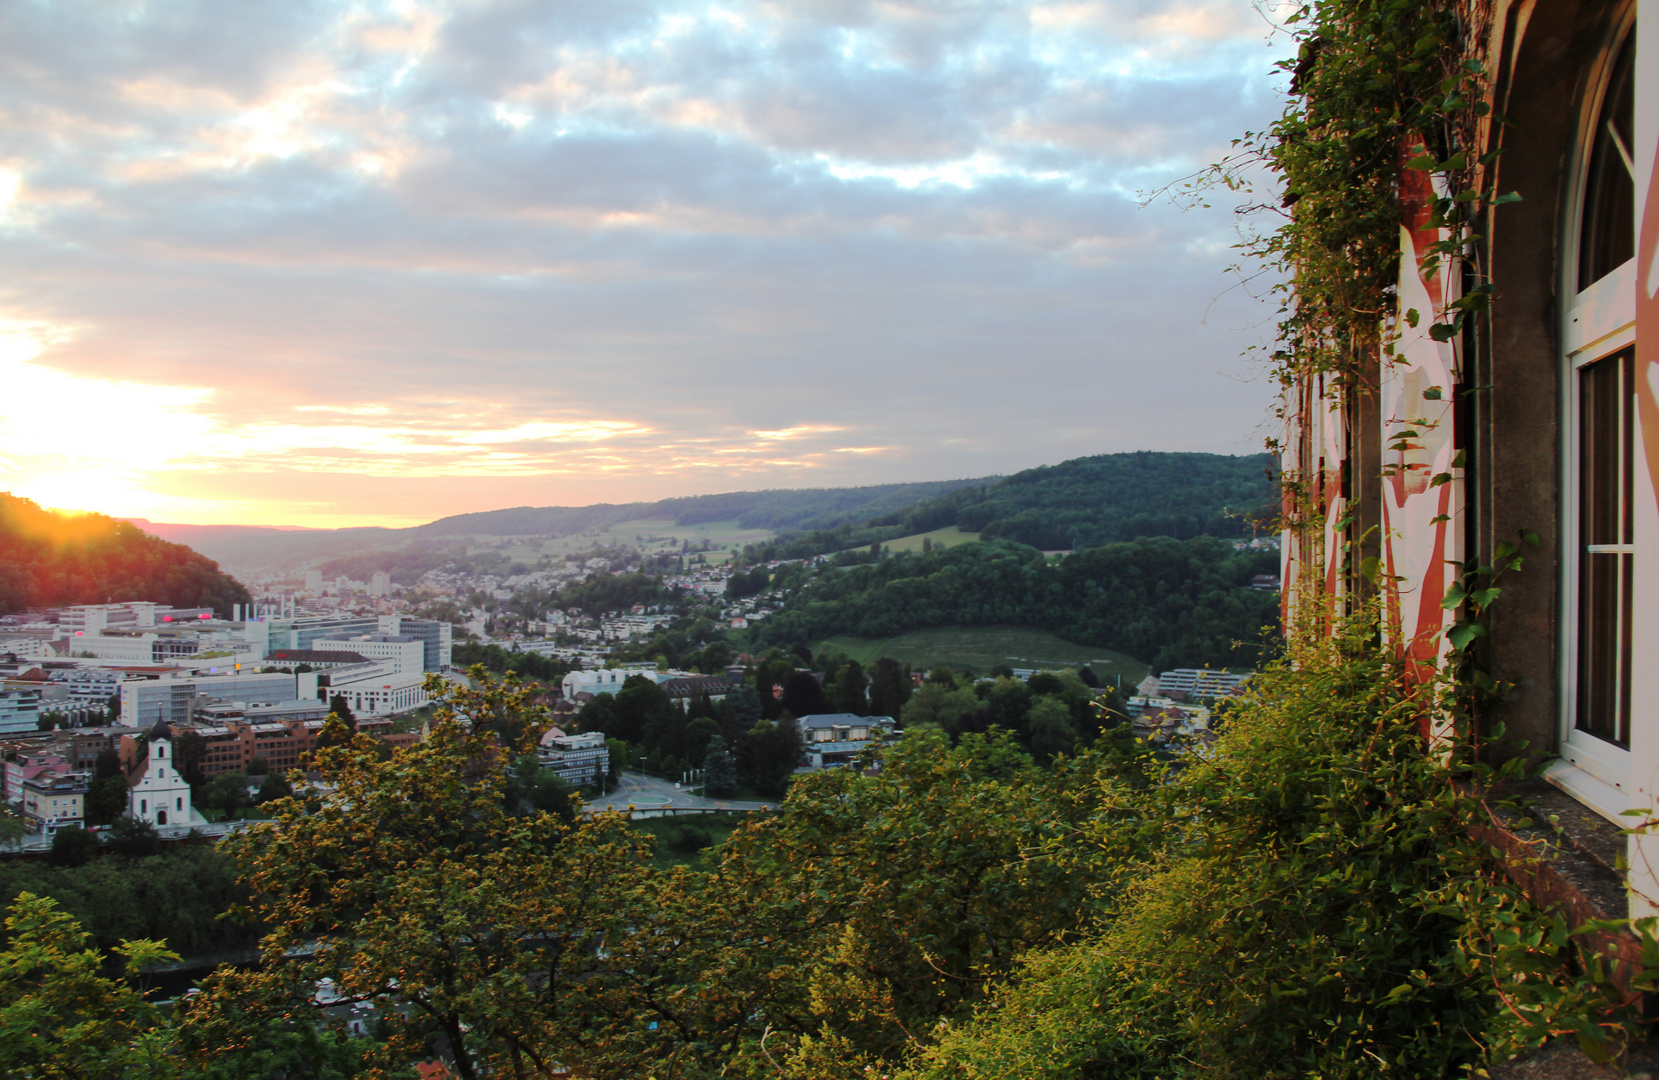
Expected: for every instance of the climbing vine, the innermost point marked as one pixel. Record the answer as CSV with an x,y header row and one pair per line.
x,y
1377,86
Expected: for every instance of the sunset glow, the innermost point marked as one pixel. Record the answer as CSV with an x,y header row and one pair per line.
x,y
379,263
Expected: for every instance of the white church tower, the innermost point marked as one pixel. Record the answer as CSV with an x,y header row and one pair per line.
x,y
159,794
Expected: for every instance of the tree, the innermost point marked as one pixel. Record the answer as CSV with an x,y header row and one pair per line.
x,y
719,770
1051,730
890,688
274,786
772,752
227,792
132,838
12,829
59,1016
73,846
337,706
746,707
113,709
851,690
189,752
413,886
803,695
107,799
258,766
940,705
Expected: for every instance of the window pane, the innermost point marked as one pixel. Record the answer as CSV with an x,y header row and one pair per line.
x,y
1605,562
1607,233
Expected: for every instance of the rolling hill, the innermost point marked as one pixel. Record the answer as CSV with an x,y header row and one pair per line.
x,y
50,559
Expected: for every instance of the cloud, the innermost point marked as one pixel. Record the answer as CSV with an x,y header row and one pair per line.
x,y
609,250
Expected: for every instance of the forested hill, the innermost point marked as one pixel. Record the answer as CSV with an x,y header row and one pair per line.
x,y
1077,504
1086,502
1172,603
807,508
49,559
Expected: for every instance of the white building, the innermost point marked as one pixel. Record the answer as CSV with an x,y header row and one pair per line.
x,y
608,681
406,652
159,794
19,711
313,581
144,701
381,695
582,760
380,583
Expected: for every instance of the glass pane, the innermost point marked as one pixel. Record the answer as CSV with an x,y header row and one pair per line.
x,y
1598,653
1604,447
1607,232
1605,563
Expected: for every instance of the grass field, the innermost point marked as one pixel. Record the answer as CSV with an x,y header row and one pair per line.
x,y
983,647
948,537
682,840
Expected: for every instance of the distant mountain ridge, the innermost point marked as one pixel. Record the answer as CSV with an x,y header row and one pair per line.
x,y
777,509
1082,502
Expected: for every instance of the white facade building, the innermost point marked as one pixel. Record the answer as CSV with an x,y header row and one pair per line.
x,y
406,653
583,760
608,681
381,695
159,794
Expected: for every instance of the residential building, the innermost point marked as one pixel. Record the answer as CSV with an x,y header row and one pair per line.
x,y
52,801
583,760
683,688
19,711
835,739
1190,684
24,765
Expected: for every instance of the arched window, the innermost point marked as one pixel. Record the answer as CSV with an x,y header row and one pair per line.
x,y
161,817
1599,335
178,803
143,806
161,750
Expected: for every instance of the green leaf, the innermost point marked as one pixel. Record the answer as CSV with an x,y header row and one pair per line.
x,y
1422,162
1513,196
1433,392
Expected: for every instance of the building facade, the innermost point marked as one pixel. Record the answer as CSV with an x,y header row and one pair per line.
x,y
159,794
1538,419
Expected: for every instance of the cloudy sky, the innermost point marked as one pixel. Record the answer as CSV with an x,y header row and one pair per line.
x,y
327,263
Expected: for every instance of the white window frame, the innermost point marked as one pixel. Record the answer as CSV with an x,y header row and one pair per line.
x,y
1596,323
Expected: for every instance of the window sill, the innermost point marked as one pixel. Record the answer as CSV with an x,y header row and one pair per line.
x,y
1579,785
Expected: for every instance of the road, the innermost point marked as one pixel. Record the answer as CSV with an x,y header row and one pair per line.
x,y
650,793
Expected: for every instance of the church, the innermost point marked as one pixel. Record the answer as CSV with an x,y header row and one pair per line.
x,y
160,794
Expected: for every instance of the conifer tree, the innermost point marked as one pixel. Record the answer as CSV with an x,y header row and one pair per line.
x,y
719,770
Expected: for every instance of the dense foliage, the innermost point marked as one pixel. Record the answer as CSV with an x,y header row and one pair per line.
x,y
176,897
499,660
1301,899
49,559
1173,603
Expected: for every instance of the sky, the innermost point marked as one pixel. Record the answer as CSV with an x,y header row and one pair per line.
x,y
302,263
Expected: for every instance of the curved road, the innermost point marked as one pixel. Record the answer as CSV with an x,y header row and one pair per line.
x,y
650,793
